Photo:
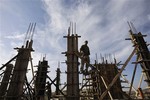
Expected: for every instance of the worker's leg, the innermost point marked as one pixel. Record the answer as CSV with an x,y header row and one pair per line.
x,y
87,63
82,65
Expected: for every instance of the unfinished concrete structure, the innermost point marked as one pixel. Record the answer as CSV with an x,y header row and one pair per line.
x,y
142,53
40,81
97,81
143,58
72,65
16,81
102,81
107,73
57,81
15,90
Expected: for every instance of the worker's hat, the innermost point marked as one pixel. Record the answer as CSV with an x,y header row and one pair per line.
x,y
86,41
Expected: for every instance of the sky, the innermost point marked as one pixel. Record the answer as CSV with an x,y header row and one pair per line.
x,y
102,22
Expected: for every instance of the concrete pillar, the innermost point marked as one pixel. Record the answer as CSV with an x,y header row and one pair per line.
x,y
40,82
15,89
72,66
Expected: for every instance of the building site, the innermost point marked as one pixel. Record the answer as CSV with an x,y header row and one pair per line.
x,y
102,80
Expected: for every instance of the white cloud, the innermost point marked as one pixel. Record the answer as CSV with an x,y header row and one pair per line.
x,y
148,16
15,36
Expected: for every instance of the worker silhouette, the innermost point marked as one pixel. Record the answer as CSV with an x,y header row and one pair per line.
x,y
85,52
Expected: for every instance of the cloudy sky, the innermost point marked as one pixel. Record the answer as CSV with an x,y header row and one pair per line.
x,y
102,22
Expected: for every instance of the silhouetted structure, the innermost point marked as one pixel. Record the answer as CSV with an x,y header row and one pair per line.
x,y
102,81
15,90
108,72
142,53
57,81
40,81
72,65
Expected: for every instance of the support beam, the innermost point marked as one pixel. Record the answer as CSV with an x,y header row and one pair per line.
x,y
55,85
106,87
132,80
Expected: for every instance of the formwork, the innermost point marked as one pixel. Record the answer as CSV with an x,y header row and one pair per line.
x,y
40,81
108,72
15,90
72,65
142,53
97,81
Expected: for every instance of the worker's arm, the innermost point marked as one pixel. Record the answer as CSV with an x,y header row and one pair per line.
x,y
81,49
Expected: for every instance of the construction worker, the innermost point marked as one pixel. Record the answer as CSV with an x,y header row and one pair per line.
x,y
85,52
